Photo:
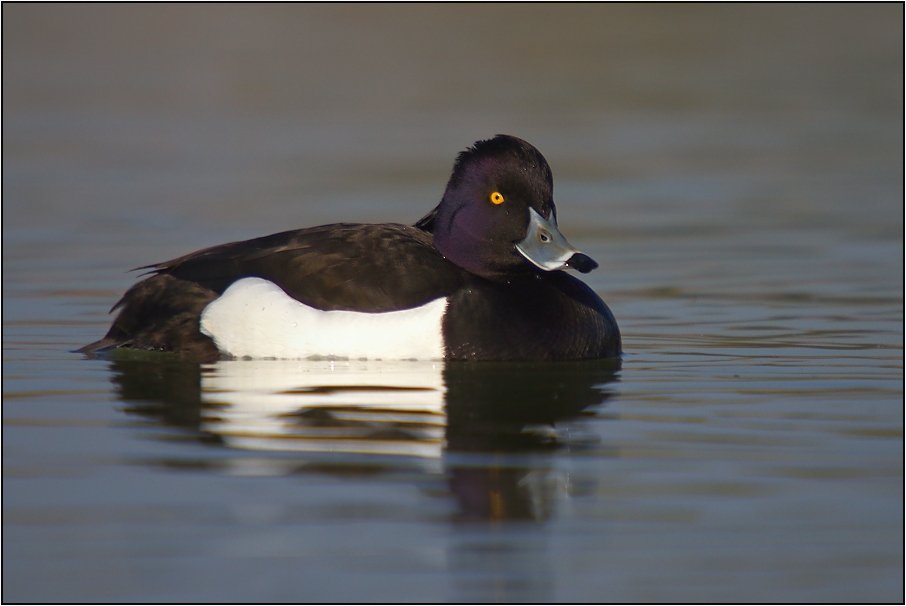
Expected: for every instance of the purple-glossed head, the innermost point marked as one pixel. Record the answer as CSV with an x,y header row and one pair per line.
x,y
497,215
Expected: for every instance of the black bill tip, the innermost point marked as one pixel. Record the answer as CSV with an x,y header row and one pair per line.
x,y
582,263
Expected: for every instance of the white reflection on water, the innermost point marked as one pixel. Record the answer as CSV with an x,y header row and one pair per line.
x,y
360,407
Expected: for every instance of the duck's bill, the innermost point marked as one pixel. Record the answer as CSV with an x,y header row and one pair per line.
x,y
546,248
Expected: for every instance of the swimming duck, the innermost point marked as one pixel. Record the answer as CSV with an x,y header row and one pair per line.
x,y
480,277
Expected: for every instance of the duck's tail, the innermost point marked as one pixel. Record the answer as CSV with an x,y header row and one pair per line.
x,y
160,313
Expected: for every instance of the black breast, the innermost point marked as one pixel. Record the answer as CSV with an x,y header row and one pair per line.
x,y
550,316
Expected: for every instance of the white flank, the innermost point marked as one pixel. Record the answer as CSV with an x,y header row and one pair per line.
x,y
254,318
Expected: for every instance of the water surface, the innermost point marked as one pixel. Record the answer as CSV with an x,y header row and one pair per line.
x,y
736,171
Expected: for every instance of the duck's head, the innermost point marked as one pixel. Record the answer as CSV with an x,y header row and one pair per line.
x,y
498,216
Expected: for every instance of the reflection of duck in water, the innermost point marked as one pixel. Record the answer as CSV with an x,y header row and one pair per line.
x,y
381,415
475,279
514,409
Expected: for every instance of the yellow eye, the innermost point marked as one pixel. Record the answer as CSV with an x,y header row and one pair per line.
x,y
497,198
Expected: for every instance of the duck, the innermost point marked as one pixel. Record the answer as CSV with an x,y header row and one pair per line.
x,y
481,277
